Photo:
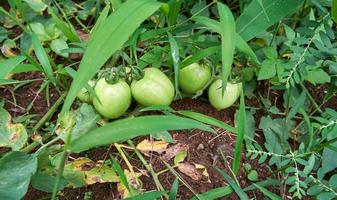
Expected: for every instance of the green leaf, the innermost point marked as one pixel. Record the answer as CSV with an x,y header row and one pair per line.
x,y
238,190
334,10
328,159
299,102
215,193
266,192
317,76
180,157
240,136
268,70
16,169
66,28
207,120
43,58
175,6
58,45
255,19
86,120
84,171
11,135
199,55
228,41
129,128
8,65
45,182
36,5
147,196
215,26
107,39
175,56
174,190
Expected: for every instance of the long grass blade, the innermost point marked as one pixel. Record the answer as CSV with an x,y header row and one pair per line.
x,y
124,129
240,135
175,56
238,190
268,193
228,40
42,56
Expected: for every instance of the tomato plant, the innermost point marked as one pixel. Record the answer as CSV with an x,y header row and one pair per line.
x,y
194,77
112,100
221,101
155,88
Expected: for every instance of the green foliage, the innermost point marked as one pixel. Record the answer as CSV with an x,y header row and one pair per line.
x,y
16,167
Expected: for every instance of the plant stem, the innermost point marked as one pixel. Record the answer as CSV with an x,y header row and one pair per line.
x,y
148,167
45,118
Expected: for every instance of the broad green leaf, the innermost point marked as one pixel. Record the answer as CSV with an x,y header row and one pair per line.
x,y
207,120
228,41
240,136
16,169
36,5
110,37
268,70
80,122
328,159
40,31
317,76
43,58
266,192
58,46
215,193
237,189
129,128
45,182
78,175
255,19
102,17
8,65
66,28
11,135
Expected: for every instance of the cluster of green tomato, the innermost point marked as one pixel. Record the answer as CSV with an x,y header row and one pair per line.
x,y
155,88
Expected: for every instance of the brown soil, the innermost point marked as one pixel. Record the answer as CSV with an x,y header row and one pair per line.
x,y
17,101
203,148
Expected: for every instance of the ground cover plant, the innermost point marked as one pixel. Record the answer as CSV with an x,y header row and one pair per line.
x,y
149,99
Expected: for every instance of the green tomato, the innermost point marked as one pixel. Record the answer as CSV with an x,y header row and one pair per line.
x,y
155,88
112,100
194,77
83,95
231,94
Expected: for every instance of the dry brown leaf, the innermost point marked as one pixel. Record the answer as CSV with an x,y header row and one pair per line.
x,y
152,146
190,171
204,171
174,150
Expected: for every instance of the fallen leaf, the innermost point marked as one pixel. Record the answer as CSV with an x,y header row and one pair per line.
x,y
84,171
190,171
174,150
11,135
203,170
152,146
